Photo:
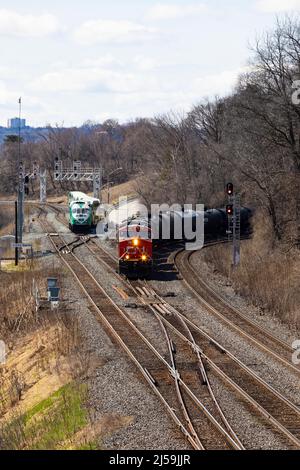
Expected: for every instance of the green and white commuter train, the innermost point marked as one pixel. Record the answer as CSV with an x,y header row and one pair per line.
x,y
82,212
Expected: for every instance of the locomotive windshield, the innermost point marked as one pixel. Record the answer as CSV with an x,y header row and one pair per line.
x,y
134,231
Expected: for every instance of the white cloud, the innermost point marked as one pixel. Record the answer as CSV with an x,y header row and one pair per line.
x,y
127,88
274,6
218,84
5,95
163,11
93,79
16,24
107,31
145,63
9,98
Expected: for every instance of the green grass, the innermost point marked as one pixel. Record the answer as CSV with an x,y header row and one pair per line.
x,y
88,446
51,422
43,405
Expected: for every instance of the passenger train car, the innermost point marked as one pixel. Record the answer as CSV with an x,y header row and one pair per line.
x,y
82,212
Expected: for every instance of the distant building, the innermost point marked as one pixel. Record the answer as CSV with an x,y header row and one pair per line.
x,y
15,123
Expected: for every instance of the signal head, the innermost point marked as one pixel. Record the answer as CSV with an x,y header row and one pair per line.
x,y
229,209
229,189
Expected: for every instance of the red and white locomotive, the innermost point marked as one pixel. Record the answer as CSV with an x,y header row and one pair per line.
x,y
135,247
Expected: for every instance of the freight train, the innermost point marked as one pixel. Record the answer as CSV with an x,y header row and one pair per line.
x,y
135,246
82,212
136,236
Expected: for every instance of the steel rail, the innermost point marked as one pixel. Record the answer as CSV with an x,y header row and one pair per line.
x,y
123,345
237,388
224,376
242,332
230,381
158,310
200,405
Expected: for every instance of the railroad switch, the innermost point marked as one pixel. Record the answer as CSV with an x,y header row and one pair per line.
x,y
169,295
175,374
133,305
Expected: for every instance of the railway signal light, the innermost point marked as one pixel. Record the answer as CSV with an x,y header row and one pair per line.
x,y
26,185
76,168
21,170
229,209
229,189
35,169
57,167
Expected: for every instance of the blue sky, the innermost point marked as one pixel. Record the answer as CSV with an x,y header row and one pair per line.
x,y
77,60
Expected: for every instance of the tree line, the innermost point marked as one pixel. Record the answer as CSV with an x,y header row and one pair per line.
x,y
251,137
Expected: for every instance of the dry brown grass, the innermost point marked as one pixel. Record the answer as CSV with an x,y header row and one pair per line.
x,y
39,362
268,275
17,309
44,355
7,216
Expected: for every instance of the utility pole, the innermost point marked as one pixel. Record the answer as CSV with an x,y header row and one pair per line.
x,y
233,211
20,182
16,234
21,187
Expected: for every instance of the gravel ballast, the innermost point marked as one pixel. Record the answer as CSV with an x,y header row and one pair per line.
x,y
116,388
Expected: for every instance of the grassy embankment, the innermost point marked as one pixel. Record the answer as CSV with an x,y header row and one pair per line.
x,y
53,423
42,393
269,274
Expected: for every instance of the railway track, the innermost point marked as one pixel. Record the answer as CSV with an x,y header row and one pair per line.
x,y
278,412
189,363
236,320
161,375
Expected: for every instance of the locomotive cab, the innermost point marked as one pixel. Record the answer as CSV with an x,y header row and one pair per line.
x,y
135,248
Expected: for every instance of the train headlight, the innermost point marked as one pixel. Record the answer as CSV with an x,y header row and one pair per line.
x,y
127,257
136,242
144,258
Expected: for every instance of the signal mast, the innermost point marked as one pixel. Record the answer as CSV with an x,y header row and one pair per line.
x,y
233,211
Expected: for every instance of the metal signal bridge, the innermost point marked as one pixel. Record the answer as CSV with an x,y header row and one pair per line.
x,y
78,173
